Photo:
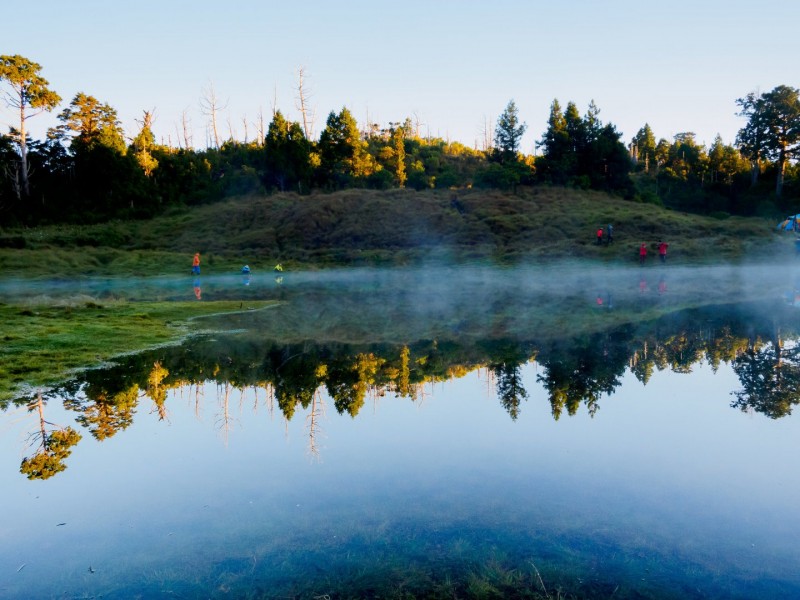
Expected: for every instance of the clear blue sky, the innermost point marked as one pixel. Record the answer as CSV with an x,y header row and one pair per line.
x,y
454,64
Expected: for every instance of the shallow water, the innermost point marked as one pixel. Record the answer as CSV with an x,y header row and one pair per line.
x,y
443,440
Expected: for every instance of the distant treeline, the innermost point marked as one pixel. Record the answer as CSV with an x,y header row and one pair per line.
x,y
86,171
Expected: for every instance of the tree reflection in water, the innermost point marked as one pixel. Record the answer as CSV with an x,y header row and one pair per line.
x,y
770,379
53,445
575,371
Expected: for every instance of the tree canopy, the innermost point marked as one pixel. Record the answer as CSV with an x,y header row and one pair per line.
x,y
90,169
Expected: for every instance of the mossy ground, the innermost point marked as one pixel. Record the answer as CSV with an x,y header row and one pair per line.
x,y
43,343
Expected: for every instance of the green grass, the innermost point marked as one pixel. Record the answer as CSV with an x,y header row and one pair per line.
x,y
41,344
355,227
392,227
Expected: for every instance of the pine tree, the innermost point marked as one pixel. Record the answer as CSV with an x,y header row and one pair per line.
x,y
30,96
508,134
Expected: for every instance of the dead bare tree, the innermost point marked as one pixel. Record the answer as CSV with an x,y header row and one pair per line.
x,y
417,124
487,134
187,132
246,131
303,96
260,131
231,131
148,119
210,107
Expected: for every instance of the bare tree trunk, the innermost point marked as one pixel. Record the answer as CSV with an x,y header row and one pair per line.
x,y
187,136
246,133
260,132
416,125
177,136
210,106
487,134
302,99
40,406
317,409
23,152
231,132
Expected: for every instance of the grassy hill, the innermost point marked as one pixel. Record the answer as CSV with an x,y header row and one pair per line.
x,y
393,227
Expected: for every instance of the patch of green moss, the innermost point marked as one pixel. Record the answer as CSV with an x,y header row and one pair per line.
x,y
43,344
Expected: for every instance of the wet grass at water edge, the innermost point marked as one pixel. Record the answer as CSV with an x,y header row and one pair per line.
x,y
43,342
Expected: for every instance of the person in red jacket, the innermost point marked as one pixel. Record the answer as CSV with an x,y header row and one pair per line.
x,y
599,235
642,253
662,251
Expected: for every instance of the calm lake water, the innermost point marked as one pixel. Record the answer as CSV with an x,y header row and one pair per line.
x,y
470,432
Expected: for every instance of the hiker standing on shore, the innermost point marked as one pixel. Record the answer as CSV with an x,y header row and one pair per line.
x,y
662,251
196,264
609,233
599,236
642,253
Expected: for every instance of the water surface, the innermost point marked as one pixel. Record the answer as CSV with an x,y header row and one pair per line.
x,y
455,432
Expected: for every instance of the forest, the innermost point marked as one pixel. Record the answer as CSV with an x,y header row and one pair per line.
x,y
89,170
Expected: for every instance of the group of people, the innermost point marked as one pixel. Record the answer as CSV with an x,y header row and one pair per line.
x,y
607,235
662,252
609,231
245,269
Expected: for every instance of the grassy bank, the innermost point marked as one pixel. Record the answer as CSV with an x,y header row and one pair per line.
x,y
43,342
358,227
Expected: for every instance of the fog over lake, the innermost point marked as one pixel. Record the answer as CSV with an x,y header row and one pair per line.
x,y
568,430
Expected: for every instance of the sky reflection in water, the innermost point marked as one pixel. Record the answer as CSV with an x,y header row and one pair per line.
x,y
666,490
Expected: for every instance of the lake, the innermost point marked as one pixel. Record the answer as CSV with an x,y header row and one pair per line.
x,y
553,432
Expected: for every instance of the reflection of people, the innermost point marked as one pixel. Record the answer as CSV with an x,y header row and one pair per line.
x,y
599,235
196,264
642,285
642,253
662,251
662,286
604,302
197,291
